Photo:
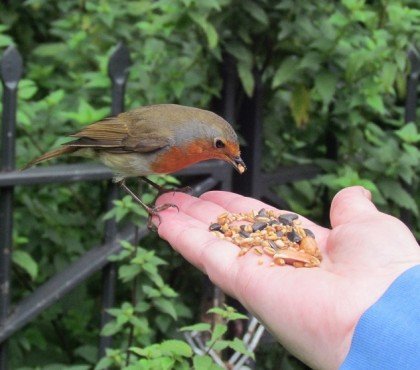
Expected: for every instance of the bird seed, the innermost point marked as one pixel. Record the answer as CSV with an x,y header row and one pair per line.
x,y
280,237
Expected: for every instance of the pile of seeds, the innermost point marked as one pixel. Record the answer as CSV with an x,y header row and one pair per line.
x,y
280,237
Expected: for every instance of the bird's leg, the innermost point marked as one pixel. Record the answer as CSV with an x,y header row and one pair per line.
x,y
161,190
152,211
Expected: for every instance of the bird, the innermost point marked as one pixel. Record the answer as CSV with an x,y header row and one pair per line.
x,y
154,139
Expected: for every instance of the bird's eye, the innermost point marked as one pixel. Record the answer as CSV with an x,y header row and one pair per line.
x,y
219,143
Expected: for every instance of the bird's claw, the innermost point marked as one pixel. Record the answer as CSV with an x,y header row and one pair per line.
x,y
154,212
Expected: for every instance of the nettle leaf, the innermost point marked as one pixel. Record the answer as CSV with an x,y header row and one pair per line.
x,y
395,192
299,105
25,262
55,97
238,345
388,76
325,84
197,327
168,292
162,363
376,103
5,40
208,29
128,272
246,77
27,89
221,345
217,311
152,351
236,316
151,292
110,328
255,11
104,363
218,331
240,52
176,347
166,306
285,72
409,133
204,362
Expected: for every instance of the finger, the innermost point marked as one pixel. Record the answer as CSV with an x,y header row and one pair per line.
x,y
351,204
238,203
190,237
202,210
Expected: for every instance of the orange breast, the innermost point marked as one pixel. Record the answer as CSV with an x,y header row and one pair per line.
x,y
178,158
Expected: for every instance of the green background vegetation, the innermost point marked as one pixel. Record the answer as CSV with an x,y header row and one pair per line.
x,y
340,65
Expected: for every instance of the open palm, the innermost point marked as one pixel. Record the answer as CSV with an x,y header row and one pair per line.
x,y
311,311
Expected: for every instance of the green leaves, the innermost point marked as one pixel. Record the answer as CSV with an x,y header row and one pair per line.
x,y
176,348
286,72
299,105
255,11
228,313
204,363
408,133
395,192
27,89
125,207
25,262
208,29
236,344
217,333
197,327
325,85
87,114
246,77
245,63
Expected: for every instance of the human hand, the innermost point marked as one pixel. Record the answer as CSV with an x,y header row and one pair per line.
x,y
311,311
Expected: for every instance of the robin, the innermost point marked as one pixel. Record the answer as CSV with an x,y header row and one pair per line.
x,y
155,139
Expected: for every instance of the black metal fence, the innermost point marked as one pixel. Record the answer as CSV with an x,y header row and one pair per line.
x,y
217,175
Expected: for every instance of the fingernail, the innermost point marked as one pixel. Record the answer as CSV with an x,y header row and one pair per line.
x,y
367,194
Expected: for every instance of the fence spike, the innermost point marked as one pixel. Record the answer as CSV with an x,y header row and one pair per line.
x,y
11,67
118,64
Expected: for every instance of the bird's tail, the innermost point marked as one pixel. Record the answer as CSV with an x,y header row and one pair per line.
x,y
51,154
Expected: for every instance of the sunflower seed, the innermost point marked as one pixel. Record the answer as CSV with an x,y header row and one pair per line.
x,y
259,226
309,233
294,237
215,227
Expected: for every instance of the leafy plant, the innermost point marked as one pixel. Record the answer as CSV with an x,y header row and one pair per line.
x,y
334,80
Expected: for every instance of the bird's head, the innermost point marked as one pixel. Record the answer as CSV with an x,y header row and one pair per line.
x,y
217,139
199,135
226,148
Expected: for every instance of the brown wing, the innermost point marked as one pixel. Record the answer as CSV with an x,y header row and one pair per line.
x,y
123,133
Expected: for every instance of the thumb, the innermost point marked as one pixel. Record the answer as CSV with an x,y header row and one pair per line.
x,y
350,204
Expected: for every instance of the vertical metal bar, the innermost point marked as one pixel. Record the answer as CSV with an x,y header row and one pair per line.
x,y
118,73
410,115
230,84
250,116
11,72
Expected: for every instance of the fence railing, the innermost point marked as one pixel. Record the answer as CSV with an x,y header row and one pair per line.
x,y
11,320
254,182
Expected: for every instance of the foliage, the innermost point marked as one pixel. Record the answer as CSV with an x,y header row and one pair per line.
x,y
334,77
174,353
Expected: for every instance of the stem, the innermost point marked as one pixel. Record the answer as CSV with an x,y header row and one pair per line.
x,y
131,332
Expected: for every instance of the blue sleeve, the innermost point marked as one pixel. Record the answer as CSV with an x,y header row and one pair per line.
x,y
388,333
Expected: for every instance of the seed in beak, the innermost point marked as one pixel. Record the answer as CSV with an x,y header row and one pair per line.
x,y
239,165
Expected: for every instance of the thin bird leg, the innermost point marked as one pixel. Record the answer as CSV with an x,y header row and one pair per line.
x,y
161,190
152,211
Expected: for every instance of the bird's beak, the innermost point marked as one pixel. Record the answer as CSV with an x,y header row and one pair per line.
x,y
239,164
